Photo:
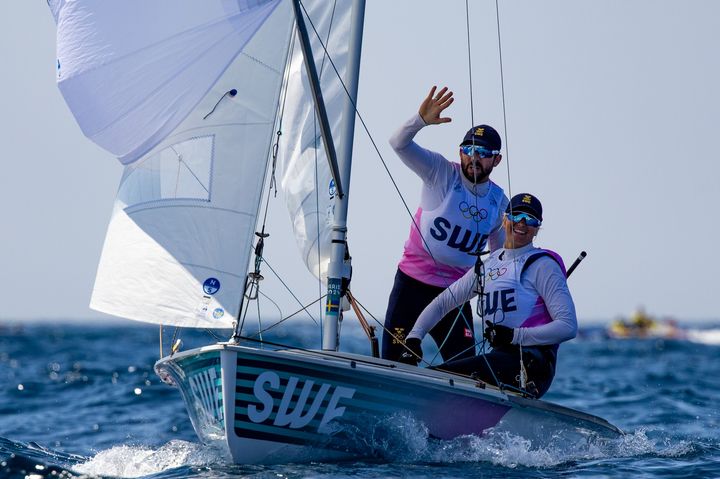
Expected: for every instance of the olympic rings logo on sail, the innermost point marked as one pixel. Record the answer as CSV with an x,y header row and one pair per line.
x,y
472,212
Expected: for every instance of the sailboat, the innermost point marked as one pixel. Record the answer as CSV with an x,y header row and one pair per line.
x,y
201,103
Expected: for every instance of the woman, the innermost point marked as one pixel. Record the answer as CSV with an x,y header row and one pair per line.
x,y
526,305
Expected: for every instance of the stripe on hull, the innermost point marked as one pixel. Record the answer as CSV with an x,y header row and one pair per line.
x,y
299,414
203,380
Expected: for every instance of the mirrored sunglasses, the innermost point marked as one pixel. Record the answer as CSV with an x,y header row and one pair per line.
x,y
529,220
480,151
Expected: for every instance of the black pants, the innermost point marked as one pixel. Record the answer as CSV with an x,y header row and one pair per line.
x,y
504,362
407,300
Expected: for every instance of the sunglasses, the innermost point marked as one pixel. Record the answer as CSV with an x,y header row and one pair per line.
x,y
529,220
480,151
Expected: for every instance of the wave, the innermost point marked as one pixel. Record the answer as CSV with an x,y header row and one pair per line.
x,y
399,441
139,461
710,337
403,439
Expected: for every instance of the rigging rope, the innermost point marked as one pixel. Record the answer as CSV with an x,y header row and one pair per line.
x,y
382,325
290,291
273,302
469,324
467,28
369,330
502,96
303,308
523,374
273,182
479,266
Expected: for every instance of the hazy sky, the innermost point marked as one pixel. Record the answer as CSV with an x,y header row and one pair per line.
x,y
612,116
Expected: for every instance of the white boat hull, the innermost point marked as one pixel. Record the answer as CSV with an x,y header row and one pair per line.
x,y
279,406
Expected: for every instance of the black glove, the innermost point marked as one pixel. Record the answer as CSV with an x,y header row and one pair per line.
x,y
413,352
497,334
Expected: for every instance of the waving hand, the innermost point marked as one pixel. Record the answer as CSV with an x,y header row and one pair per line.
x,y
434,104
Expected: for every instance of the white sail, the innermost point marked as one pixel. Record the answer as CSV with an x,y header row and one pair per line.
x,y
131,71
305,176
187,98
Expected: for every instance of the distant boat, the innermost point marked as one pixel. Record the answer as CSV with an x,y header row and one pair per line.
x,y
191,102
643,326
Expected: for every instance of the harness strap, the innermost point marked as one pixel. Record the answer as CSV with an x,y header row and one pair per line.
x,y
539,255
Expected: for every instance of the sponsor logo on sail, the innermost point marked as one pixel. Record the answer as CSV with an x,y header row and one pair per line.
x,y
211,286
218,313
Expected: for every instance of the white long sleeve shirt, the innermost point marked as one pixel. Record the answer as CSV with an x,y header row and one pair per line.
x,y
535,302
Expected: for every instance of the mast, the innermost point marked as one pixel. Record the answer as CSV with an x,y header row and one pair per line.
x,y
325,131
339,268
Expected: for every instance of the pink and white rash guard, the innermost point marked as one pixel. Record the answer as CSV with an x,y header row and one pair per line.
x,y
455,217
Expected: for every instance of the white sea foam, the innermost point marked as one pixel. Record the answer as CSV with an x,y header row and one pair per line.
x,y
138,461
704,336
401,439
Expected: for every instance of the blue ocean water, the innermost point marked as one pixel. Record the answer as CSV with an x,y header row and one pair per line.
x,y
82,400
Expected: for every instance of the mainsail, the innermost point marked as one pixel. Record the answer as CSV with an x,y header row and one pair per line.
x,y
185,94
306,179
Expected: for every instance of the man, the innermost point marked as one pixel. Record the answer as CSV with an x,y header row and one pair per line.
x,y
460,211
